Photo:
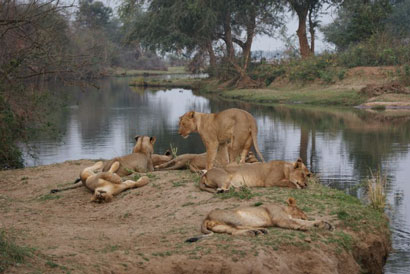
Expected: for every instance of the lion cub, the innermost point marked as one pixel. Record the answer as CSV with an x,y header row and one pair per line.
x,y
253,221
138,161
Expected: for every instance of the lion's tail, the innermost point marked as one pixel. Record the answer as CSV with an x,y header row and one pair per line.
x,y
254,133
204,229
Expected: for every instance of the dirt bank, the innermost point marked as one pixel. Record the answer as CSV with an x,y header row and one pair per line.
x,y
143,230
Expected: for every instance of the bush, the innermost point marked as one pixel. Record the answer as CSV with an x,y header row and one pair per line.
x,y
316,67
267,73
404,75
379,50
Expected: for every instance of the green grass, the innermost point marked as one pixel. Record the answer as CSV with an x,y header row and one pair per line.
x,y
297,96
10,253
179,183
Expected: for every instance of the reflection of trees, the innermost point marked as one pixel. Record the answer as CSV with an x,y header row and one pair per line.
x,y
304,140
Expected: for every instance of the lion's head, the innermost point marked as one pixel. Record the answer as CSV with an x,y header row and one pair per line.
x,y
187,124
299,174
101,196
144,144
294,211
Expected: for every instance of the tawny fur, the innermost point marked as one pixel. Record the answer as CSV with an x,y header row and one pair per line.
x,y
234,128
105,185
197,162
273,173
138,161
253,220
158,159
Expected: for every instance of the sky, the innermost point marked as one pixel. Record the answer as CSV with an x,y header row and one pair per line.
x,y
266,43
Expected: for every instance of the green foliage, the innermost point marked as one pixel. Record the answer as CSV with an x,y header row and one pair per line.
x,y
267,73
93,14
398,21
404,74
310,69
379,50
10,253
10,130
357,21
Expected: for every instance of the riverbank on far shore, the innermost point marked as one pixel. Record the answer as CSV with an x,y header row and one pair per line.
x,y
362,87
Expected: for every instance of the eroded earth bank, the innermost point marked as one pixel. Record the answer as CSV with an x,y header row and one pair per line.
x,y
143,230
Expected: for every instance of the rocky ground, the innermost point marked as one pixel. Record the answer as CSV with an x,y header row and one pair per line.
x,y
143,230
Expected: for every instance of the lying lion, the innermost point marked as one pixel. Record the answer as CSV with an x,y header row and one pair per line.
x,y
138,161
197,162
254,220
104,185
158,159
273,173
234,128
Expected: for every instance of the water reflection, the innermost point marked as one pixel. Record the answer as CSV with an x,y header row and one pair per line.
x,y
339,144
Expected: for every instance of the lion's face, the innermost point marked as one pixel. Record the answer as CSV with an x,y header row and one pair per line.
x,y
144,144
299,174
294,211
187,124
101,196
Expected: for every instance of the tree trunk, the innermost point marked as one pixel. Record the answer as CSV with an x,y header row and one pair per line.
x,y
244,81
250,33
304,140
301,33
230,52
312,33
211,53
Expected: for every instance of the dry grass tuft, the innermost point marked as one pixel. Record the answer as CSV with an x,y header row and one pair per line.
x,y
376,185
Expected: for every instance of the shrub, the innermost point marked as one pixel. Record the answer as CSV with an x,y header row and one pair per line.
x,y
379,50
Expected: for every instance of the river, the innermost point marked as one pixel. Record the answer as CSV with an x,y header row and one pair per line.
x,y
341,145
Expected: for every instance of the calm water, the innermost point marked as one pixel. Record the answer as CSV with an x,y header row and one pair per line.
x,y
341,145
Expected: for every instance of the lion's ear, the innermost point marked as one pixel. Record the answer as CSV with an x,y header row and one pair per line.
x,y
191,114
291,201
298,163
153,139
136,137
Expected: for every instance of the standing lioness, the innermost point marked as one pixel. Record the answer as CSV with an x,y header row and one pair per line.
x,y
233,127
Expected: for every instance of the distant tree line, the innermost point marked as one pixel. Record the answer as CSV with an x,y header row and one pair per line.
x,y
223,31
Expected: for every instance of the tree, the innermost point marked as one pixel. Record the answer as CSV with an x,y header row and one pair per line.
x,y
357,21
398,21
93,14
196,25
307,12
